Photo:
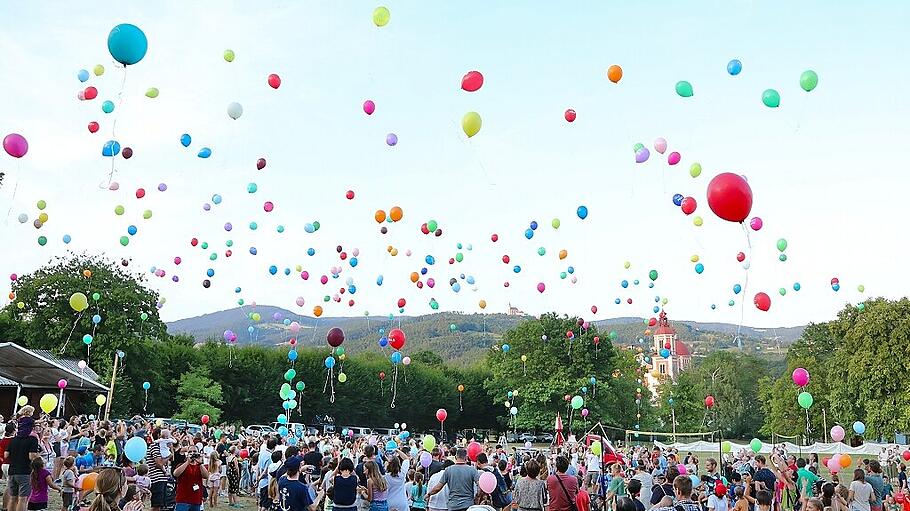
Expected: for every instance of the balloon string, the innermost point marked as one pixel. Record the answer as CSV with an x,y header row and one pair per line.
x,y
71,332
110,176
742,303
15,189
394,386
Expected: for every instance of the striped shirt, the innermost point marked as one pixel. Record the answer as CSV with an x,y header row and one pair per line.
x,y
156,474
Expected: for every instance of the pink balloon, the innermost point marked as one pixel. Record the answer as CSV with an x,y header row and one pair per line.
x,y
369,107
837,433
299,301
660,145
431,282
61,384
800,377
584,412
406,361
682,469
472,81
834,464
756,223
305,275
487,482
541,287
323,279
268,206
673,158
15,145
441,414
295,326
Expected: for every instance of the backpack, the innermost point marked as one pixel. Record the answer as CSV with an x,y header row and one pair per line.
x,y
501,495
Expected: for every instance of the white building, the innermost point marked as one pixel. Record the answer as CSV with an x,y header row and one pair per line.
x,y
677,357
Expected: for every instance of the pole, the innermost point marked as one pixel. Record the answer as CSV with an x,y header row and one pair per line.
x,y
110,392
673,411
59,403
825,424
16,401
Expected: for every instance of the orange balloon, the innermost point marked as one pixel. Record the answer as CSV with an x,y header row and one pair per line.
x,y
563,254
87,273
379,216
845,460
394,252
414,276
317,311
461,388
648,332
614,73
88,480
483,304
12,296
389,248
396,213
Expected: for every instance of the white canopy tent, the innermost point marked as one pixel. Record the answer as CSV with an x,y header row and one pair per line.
x,y
867,449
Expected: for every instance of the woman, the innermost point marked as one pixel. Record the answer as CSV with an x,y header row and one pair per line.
x,y
396,470
233,476
861,495
831,501
110,486
530,492
214,468
377,489
344,486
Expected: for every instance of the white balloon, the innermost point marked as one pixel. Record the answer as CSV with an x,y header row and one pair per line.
x,y
746,265
23,218
235,110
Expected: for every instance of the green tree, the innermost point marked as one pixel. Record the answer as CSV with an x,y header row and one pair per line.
x,y
198,395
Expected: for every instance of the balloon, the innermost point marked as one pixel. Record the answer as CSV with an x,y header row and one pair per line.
x,y
146,385
771,98
48,402
805,400
127,44
391,139
582,212
78,302
342,377
61,384
642,155
673,158
859,428
15,145
152,92
229,55
684,89
88,481
800,377
368,108
837,433
234,110
335,337
681,469
808,80
472,81
577,402
429,441
755,444
274,81
135,448
762,301
709,401
726,446
441,414
82,75
734,67
381,16
110,148
688,205
730,197
100,399
22,401
397,338
107,107
541,287
487,481
570,115
614,73
845,460
695,169
756,223
474,449
470,123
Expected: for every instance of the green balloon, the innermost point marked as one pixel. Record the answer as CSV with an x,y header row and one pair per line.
x,y
782,291
119,210
339,351
755,444
541,251
731,303
563,275
42,240
555,223
124,240
652,274
315,225
684,89
143,316
300,386
782,257
432,225
453,327
218,434
808,80
771,98
577,402
805,400
613,335
96,296
637,147
290,374
695,169
727,446
782,244
861,307
459,257
204,245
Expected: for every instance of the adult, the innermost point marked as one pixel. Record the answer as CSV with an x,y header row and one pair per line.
x,y
874,478
647,483
293,494
764,478
344,486
439,501
664,486
562,487
682,488
232,462
20,452
190,476
592,475
313,457
460,479
396,473
861,494
831,499
157,472
437,464
262,469
8,434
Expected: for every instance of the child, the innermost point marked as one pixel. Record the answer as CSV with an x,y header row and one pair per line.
x,y
214,478
418,493
41,480
132,501
143,481
164,443
68,480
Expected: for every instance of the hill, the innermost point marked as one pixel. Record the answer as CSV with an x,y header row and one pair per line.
x,y
471,336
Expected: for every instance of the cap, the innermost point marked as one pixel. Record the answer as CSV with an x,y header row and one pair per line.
x,y
293,463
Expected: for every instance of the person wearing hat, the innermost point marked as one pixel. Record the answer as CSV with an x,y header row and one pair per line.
x,y
19,453
292,492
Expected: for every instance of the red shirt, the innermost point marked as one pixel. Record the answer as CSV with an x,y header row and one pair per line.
x,y
4,445
189,486
558,500
583,501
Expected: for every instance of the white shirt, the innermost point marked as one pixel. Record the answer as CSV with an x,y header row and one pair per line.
x,y
593,463
647,483
717,503
861,494
441,499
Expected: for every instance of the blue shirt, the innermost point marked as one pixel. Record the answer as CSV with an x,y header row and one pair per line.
x,y
293,495
85,462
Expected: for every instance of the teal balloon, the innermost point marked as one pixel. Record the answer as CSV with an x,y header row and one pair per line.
x,y
577,402
111,148
771,98
107,107
684,89
205,152
808,80
127,44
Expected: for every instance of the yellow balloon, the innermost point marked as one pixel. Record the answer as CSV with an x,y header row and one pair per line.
x,y
694,258
158,422
48,403
483,304
256,316
99,70
298,268
381,16
229,55
23,400
596,448
698,221
100,400
524,358
79,302
342,377
663,301
43,218
627,265
20,305
394,252
470,123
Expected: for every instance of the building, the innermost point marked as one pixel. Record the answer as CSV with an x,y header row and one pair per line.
x,y
669,355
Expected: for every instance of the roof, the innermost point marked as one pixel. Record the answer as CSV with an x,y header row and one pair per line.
x,y
663,325
43,369
682,350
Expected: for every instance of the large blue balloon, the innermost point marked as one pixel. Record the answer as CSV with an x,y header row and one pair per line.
x,y
127,44
135,449
111,148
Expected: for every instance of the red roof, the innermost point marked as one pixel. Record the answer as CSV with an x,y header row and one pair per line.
x,y
663,325
681,349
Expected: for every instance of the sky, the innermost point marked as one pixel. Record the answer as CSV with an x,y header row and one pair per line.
x,y
826,168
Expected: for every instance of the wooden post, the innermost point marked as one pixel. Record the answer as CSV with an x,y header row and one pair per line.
x,y
16,401
110,392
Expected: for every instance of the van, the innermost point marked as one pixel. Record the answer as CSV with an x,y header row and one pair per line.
x,y
357,431
387,432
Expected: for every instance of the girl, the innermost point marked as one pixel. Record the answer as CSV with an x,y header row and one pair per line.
x,y
344,486
377,489
41,479
418,493
132,501
109,486
214,469
233,476
831,500
861,495
396,471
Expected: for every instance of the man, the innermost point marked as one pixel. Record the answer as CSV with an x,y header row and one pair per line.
x,y
437,464
874,478
764,478
9,434
460,479
293,493
805,481
682,488
635,493
157,471
262,486
592,462
563,488
711,468
19,453
190,475
313,458
646,480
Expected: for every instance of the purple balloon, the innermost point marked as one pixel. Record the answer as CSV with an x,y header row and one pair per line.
x,y
228,226
642,155
162,187
425,459
228,335
16,146
206,206
390,139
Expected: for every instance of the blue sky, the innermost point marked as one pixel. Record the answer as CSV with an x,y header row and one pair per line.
x,y
826,168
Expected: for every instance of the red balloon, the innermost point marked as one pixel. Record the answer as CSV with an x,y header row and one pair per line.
x,y
349,195
397,338
424,229
244,453
709,401
494,238
835,280
90,93
629,301
381,375
335,337
688,205
127,153
906,455
472,81
570,115
740,257
401,302
274,81
474,449
730,197
194,242
204,419
260,164
441,414
652,321
593,309
762,301
93,127
140,193
596,340
505,259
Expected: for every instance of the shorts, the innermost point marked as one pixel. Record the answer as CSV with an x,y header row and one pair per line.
x,y
19,485
187,507
158,493
380,505
57,452
37,506
67,500
264,500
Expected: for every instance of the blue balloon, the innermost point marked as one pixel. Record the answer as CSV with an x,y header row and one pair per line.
x,y
470,280
67,238
131,230
283,431
185,139
82,75
737,288
292,440
617,301
635,282
311,251
734,67
571,269
146,385
383,342
216,199
286,405
251,329
379,280
127,44
395,357
430,260
205,152
456,287
280,229
135,449
533,226
836,287
96,319
329,362
391,446
624,284
506,348
656,309
664,352
650,285
287,271
253,250
210,272
859,428
695,480
423,271
593,381
111,148
273,269
529,233
796,286
286,322
699,268
353,262
107,107
352,289
516,269
582,212
677,199
309,228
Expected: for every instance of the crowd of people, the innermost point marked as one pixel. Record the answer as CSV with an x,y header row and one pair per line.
x,y
88,463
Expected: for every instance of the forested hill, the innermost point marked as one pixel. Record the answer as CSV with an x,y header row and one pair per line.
x,y
459,338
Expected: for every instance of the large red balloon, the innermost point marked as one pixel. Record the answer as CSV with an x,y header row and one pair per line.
x,y
335,337
441,414
709,401
730,197
472,81
474,449
688,205
204,419
762,301
397,338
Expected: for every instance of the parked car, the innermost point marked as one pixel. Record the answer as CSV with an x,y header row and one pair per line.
x,y
527,437
358,431
545,438
258,429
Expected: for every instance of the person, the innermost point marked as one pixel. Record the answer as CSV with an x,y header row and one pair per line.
x,y
294,494
902,478
344,486
814,504
530,493
214,479
68,482
313,458
743,500
805,481
616,487
874,478
831,500
647,483
9,433
41,481
395,477
143,481
233,476
20,452
664,486
460,479
437,464
376,490
717,500
861,494
592,475
262,484
156,464
764,478
682,489
132,500
440,500
418,493
562,488
190,476
634,490
110,486
625,503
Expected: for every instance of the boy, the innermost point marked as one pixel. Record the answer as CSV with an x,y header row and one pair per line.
x,y
68,482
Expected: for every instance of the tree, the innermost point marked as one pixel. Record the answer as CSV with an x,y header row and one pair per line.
x,y
198,395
